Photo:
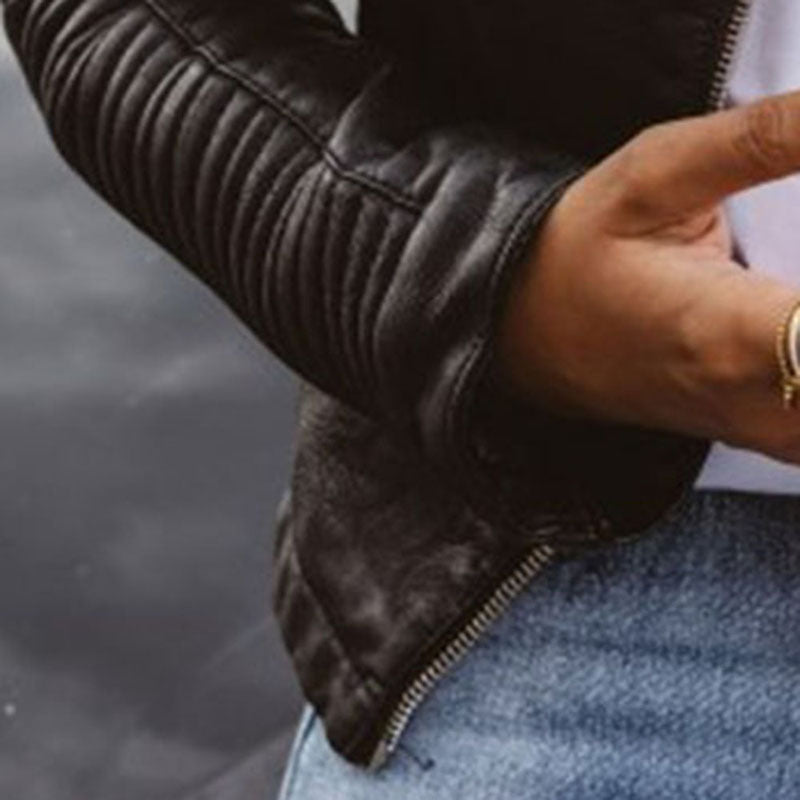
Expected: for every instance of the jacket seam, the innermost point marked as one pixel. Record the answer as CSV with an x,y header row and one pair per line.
x,y
530,208
512,234
342,170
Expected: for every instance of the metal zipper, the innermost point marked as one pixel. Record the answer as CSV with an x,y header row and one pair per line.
x,y
719,81
540,556
497,603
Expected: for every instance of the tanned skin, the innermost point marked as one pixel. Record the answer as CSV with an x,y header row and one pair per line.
x,y
631,307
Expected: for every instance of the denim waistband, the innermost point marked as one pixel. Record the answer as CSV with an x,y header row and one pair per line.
x,y
722,569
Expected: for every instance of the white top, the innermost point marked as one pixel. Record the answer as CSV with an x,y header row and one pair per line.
x,y
766,220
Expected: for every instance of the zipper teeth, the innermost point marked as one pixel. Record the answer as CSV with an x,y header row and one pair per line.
x,y
716,96
538,558
500,599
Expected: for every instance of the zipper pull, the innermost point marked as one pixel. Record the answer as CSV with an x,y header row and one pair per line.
x,y
380,756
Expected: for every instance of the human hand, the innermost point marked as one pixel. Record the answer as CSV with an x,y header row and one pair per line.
x,y
631,308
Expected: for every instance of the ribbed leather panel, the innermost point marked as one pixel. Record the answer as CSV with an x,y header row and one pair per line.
x,y
367,251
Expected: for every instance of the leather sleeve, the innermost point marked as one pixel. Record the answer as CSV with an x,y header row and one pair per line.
x,y
307,178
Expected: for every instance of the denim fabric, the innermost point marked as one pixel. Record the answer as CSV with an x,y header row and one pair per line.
x,y
665,667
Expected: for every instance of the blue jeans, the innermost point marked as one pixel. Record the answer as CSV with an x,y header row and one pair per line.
x,y
665,667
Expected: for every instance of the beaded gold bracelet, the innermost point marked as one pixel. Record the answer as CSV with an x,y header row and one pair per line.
x,y
788,357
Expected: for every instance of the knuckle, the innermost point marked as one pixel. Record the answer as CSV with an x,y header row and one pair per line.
x,y
762,139
638,163
642,150
651,138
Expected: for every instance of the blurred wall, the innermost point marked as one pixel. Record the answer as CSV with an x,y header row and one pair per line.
x,y
146,439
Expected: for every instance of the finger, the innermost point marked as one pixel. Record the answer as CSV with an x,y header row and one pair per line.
x,y
678,168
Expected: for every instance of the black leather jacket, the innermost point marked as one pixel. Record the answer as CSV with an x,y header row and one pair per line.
x,y
360,203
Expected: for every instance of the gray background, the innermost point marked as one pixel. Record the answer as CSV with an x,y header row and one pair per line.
x,y
146,440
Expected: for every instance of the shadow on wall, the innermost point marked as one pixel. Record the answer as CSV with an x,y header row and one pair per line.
x,y
146,442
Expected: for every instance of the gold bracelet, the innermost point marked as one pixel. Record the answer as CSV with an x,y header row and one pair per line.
x,y
787,356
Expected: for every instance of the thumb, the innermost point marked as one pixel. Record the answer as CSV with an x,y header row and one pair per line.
x,y
676,169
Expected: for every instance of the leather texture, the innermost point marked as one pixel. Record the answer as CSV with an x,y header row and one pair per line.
x,y
360,203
